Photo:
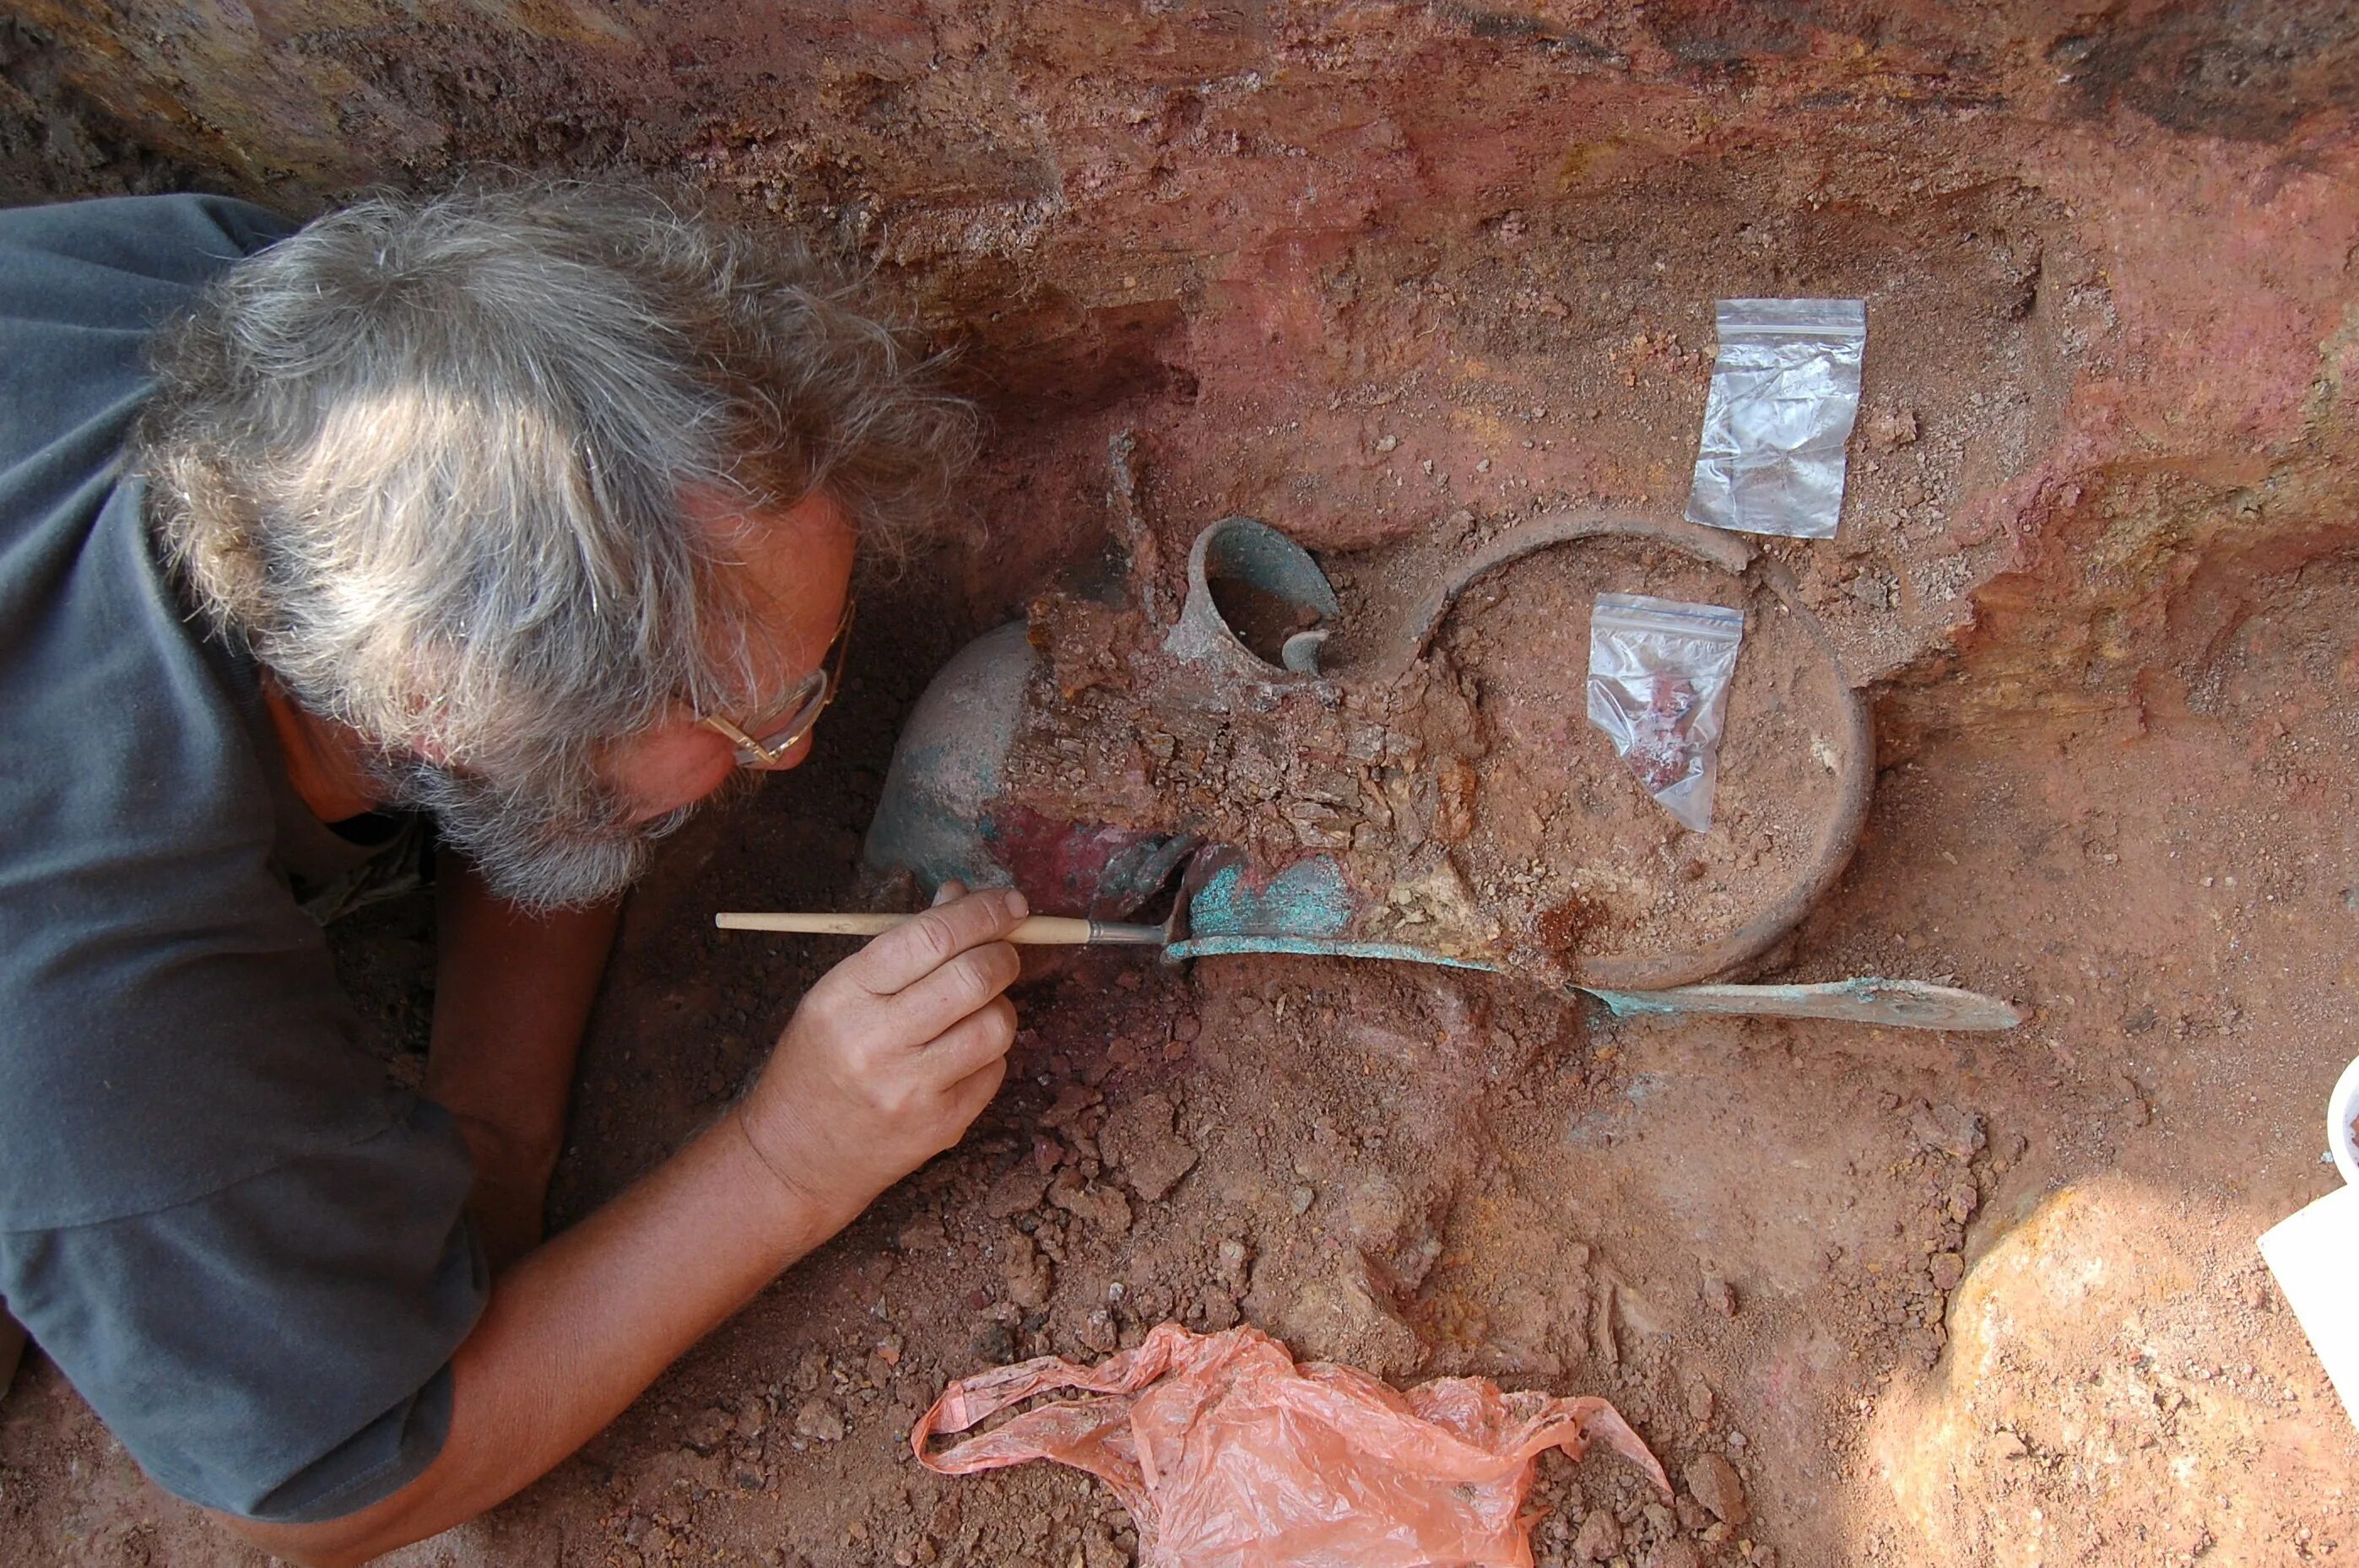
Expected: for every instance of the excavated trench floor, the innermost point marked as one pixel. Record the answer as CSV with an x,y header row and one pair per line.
x,y
1938,1299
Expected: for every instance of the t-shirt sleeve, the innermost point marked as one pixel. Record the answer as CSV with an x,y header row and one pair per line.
x,y
278,1349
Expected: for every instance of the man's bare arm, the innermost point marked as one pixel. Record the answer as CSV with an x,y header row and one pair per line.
x,y
512,995
887,1059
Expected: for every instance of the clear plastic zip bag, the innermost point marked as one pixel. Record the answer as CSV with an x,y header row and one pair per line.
x,y
1785,393
1659,671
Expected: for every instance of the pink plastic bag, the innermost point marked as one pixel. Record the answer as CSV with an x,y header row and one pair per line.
x,y
1228,1456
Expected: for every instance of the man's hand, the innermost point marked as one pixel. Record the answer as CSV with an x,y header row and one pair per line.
x,y
891,1054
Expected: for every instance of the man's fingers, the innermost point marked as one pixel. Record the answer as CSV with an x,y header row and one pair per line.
x,y
973,1043
923,943
956,989
968,1096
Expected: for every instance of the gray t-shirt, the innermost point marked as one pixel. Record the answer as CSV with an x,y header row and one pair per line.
x,y
241,1243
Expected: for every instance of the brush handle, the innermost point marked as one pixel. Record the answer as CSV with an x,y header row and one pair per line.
x,y
1034,931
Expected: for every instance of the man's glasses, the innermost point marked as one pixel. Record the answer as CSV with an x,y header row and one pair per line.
x,y
765,742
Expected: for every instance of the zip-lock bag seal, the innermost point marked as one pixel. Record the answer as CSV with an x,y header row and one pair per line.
x,y
1785,393
1659,671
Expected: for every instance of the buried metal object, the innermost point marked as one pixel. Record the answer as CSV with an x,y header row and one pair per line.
x,y
1264,561
944,814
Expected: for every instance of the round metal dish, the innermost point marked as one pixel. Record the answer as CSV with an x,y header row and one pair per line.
x,y
1854,742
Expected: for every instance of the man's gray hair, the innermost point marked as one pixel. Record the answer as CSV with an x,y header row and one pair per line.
x,y
428,460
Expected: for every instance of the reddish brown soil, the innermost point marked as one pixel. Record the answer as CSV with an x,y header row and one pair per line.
x,y
1400,275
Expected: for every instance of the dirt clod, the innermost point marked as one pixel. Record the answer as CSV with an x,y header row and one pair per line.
x,y
1140,1139
1024,1273
821,1421
1101,1206
1955,1132
1717,1487
1600,1540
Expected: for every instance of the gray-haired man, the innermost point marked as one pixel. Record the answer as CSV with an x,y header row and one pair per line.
x,y
533,512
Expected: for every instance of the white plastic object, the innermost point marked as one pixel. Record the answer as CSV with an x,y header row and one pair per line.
x,y
2342,1108
2315,1255
1783,395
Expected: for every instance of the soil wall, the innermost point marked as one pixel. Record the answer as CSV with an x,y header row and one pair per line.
x,y
1377,270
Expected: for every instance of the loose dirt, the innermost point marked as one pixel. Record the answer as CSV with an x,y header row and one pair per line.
x,y
1475,809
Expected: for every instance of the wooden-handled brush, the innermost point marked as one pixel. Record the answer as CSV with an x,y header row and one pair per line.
x,y
1034,931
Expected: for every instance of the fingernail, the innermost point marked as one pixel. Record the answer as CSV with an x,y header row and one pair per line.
x,y
1016,904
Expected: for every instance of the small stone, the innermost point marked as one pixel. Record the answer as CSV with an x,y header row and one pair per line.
x,y
1387,443
1718,1296
1299,1200
1892,429
819,1421
1872,590
1693,1516
2005,1444
708,1429
1674,1553
924,1234
1717,1487
1232,1257
1027,1274
1948,1269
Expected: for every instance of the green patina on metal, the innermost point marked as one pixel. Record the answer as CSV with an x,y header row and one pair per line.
x,y
1308,899
1869,999
1314,947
